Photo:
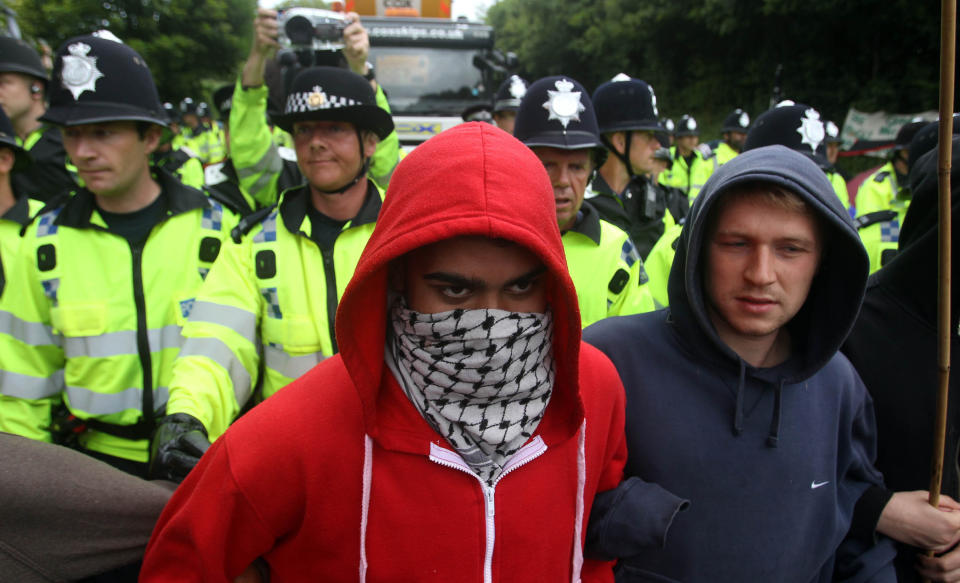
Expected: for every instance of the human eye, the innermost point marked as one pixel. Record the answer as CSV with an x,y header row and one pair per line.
x,y
456,292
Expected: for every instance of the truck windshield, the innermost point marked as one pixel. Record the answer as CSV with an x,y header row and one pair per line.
x,y
420,80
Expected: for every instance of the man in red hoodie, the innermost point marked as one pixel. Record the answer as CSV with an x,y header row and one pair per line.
x,y
463,429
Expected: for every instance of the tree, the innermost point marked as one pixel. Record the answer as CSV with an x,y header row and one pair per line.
x,y
185,42
706,57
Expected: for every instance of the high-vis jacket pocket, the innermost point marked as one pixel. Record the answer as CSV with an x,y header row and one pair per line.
x,y
76,319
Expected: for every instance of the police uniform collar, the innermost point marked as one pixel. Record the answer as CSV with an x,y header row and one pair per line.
x,y
588,222
601,186
180,198
20,211
294,201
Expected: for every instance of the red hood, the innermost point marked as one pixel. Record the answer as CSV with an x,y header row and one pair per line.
x,y
473,179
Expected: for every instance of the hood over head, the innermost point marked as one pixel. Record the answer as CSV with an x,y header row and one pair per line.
x,y
914,272
831,308
473,179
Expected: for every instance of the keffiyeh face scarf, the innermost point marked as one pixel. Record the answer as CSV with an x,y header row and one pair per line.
x,y
481,378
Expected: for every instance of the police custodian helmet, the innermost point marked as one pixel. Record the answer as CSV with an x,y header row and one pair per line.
x,y
334,94
17,56
793,125
737,121
509,94
557,112
624,104
99,80
687,126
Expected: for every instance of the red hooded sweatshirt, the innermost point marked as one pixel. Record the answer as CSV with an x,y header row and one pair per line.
x,y
338,477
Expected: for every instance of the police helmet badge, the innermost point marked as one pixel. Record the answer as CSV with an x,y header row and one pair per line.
x,y
80,72
811,129
564,104
517,87
744,120
691,124
832,130
653,101
317,98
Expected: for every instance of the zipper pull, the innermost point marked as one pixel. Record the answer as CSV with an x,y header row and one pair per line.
x,y
489,493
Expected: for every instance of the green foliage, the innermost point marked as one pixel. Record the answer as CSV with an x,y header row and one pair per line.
x,y
706,57
185,42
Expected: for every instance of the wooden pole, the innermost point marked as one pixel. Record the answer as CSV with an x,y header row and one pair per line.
x,y
948,40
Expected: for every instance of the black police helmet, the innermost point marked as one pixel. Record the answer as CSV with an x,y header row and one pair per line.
x,y
173,114
477,112
793,125
99,80
686,126
625,104
16,56
8,139
737,121
927,139
334,94
833,132
188,106
906,132
509,94
557,112
223,101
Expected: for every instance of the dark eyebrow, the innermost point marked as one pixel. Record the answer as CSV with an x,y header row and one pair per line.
x,y
475,283
454,279
532,274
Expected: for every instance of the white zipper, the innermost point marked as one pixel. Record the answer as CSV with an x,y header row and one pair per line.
x,y
452,459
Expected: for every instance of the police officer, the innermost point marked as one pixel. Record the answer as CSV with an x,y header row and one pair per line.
x,y
221,178
15,211
196,135
105,280
23,83
692,165
734,133
833,143
507,100
556,120
623,191
883,199
182,162
266,312
260,164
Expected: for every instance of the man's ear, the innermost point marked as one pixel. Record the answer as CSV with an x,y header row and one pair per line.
x,y
370,141
7,160
618,141
152,137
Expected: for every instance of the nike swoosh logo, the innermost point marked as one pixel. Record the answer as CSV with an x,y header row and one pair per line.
x,y
815,484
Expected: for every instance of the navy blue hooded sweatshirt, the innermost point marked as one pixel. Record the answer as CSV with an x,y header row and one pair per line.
x,y
772,460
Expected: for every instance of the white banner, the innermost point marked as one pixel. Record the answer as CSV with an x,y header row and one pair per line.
x,y
878,126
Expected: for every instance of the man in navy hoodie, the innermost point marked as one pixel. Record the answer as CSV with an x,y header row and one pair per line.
x,y
737,399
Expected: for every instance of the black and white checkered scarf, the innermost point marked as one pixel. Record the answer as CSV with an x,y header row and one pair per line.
x,y
481,378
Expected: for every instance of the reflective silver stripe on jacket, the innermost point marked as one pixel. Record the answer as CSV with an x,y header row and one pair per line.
x,y
31,333
123,342
215,350
290,366
268,166
239,320
94,403
30,387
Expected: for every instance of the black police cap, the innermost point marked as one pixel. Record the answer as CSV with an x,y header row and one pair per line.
x,y
223,100
100,80
686,126
906,132
793,125
16,56
334,94
625,104
737,121
509,94
927,139
557,112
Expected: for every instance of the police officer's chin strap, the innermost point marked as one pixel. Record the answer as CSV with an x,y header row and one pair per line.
x,y
625,156
364,168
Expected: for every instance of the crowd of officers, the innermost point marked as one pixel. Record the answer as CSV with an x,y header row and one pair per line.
x,y
162,272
